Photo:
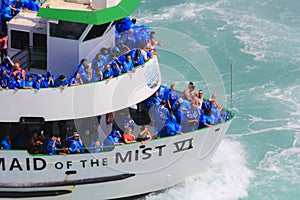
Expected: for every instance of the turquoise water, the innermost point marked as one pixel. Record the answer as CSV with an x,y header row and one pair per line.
x,y
260,156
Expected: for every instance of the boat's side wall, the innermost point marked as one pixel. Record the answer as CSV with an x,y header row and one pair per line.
x,y
62,55
89,49
82,101
157,165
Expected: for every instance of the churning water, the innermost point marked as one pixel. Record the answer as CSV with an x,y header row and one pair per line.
x,y
260,155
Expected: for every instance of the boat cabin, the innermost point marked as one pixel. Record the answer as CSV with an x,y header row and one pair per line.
x,y
63,32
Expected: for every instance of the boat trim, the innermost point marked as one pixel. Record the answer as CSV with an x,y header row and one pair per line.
x,y
97,17
69,182
32,194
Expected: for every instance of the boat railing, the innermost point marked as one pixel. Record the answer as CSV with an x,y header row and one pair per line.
x,y
23,57
109,146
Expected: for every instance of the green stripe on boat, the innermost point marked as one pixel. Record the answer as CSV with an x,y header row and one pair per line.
x,y
97,17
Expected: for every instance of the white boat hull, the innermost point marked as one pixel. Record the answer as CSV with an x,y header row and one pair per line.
x,y
127,170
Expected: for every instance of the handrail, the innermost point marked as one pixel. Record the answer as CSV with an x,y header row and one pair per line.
x,y
94,82
21,55
28,55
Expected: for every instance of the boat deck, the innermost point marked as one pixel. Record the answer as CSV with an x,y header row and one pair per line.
x,y
61,4
28,18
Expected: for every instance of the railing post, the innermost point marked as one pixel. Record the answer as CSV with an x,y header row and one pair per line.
x,y
29,58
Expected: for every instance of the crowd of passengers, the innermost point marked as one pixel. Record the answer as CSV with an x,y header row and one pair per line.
x,y
70,142
173,113
104,67
135,45
108,63
11,8
40,144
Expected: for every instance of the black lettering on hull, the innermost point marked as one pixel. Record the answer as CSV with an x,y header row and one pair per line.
x,y
183,145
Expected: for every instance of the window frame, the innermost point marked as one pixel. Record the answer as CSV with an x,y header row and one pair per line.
x,y
12,39
66,26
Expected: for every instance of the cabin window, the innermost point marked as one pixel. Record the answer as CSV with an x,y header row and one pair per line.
x,y
19,39
39,40
67,30
96,31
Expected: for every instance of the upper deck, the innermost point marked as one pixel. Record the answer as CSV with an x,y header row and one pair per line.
x,y
82,101
29,19
84,5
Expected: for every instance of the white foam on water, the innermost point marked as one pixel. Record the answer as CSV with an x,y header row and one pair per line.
x,y
260,87
250,69
283,163
181,12
264,39
290,98
227,177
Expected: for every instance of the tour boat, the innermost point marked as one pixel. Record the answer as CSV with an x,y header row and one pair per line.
x,y
59,35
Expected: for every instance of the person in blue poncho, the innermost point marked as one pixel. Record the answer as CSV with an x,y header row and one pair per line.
x,y
88,74
138,58
173,96
81,66
129,39
26,4
180,108
119,26
115,137
128,122
97,75
172,127
108,73
154,100
5,64
124,25
5,143
61,82
95,147
161,118
49,80
128,65
16,7
32,5
105,55
206,104
38,82
206,119
128,24
215,112
98,62
75,144
28,82
192,117
75,79
17,82
163,92
53,145
115,66
4,79
122,58
6,13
